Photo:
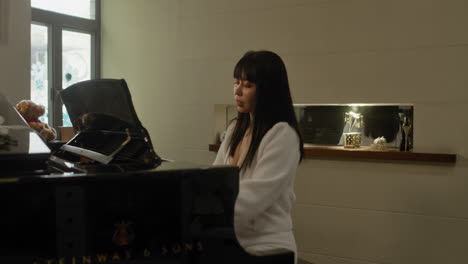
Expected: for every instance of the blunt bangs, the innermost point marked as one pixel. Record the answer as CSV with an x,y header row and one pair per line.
x,y
245,69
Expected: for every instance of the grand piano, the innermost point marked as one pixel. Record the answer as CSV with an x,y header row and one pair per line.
x,y
106,196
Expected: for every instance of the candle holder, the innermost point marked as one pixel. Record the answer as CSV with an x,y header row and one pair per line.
x,y
352,140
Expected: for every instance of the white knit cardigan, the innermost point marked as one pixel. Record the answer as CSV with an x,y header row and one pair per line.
x,y
262,219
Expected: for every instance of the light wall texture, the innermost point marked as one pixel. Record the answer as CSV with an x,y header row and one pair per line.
x,y
15,49
178,55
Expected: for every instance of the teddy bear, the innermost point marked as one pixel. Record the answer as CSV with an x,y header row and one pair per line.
x,y
31,112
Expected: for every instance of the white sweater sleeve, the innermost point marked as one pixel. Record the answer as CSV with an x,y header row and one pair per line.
x,y
277,161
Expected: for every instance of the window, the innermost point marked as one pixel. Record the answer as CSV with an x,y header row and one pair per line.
x,y
65,45
79,8
40,66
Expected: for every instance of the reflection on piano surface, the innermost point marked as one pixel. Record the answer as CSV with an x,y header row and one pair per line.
x,y
106,197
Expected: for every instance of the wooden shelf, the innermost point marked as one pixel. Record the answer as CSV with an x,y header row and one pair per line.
x,y
368,153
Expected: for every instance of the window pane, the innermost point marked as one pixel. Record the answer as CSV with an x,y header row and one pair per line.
x,y
39,68
78,8
76,61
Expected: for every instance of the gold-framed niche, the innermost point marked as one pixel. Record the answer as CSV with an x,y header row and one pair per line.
x,y
347,125
376,131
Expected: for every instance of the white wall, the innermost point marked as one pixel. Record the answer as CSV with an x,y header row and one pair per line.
x,y
178,56
15,49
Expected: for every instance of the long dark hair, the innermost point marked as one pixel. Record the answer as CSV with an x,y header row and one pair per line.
x,y
273,102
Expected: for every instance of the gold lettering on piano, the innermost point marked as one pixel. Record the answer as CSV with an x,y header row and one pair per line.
x,y
123,255
116,257
188,247
176,249
128,255
86,260
164,251
101,258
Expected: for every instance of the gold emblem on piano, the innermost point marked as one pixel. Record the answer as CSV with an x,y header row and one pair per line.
x,y
123,235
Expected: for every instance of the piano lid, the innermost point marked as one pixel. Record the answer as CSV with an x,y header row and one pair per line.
x,y
109,131
104,104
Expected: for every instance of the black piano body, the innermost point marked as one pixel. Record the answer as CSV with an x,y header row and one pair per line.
x,y
173,214
128,206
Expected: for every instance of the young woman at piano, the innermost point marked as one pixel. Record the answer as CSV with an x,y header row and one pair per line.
x,y
265,142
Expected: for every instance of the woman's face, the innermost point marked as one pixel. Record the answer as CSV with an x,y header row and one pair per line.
x,y
244,94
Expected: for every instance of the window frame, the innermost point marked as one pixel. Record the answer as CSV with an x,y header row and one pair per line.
x,y
56,23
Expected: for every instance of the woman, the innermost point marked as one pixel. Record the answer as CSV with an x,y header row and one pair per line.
x,y
265,142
